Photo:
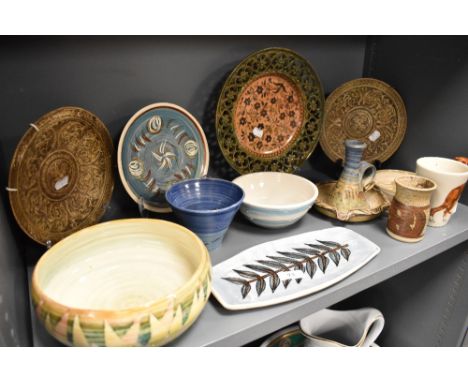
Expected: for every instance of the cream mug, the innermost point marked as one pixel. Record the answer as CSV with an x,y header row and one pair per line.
x,y
450,176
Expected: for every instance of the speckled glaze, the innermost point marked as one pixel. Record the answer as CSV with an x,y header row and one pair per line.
x,y
352,198
276,199
206,206
409,212
385,182
131,282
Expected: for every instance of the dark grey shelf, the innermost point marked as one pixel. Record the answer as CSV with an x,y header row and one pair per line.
x,y
219,327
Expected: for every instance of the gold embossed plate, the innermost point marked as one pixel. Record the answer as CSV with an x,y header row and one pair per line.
x,y
269,112
61,174
366,109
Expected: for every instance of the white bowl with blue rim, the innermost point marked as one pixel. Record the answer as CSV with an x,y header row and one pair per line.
x,y
276,199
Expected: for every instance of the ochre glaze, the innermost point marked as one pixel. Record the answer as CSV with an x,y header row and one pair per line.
x,y
450,201
407,221
61,174
269,114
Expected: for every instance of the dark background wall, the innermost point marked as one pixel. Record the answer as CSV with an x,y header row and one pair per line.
x,y
115,76
431,75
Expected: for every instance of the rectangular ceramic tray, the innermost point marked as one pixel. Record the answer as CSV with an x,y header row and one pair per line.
x,y
286,269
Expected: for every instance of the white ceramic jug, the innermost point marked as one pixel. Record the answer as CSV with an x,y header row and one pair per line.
x,y
335,328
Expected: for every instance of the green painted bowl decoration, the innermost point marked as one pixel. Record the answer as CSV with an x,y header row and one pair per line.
x,y
132,282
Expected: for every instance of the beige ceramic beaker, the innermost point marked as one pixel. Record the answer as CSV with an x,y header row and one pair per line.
x,y
409,211
450,176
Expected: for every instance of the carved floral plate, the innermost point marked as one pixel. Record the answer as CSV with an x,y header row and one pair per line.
x,y
61,174
366,109
285,269
269,112
161,144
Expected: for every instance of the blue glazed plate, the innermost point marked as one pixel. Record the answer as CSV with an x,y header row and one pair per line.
x,y
160,145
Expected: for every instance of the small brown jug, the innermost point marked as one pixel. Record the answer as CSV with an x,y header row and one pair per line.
x,y
409,211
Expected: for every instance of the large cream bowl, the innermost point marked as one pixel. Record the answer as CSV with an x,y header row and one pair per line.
x,y
276,199
132,282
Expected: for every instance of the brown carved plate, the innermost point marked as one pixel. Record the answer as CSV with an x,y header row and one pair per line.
x,y
269,112
366,109
61,174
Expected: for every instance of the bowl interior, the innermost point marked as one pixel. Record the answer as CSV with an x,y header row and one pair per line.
x,y
276,190
204,195
119,265
415,182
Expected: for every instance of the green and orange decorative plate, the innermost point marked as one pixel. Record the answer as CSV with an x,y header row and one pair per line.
x,y
269,112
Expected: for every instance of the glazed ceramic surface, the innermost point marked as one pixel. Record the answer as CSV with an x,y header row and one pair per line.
x,y
450,176
61,174
351,198
269,112
385,182
133,282
366,109
335,328
409,211
276,199
289,268
161,144
289,337
206,206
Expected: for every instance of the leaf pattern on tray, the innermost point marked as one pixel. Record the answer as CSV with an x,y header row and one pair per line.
x,y
306,260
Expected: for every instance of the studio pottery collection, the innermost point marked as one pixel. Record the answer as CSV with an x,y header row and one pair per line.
x,y
143,282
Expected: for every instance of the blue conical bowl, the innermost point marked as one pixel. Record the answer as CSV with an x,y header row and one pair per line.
x,y
206,207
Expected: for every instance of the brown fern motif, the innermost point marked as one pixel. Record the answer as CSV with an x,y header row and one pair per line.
x,y
306,260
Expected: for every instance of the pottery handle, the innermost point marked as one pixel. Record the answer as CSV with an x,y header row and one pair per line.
x,y
366,175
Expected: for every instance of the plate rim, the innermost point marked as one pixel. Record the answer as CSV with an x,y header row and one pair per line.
x,y
345,86
15,161
136,115
283,153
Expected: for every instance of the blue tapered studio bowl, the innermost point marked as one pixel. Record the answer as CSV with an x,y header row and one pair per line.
x,y
206,207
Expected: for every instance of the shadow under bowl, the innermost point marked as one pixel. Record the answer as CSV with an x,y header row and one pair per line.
x,y
206,207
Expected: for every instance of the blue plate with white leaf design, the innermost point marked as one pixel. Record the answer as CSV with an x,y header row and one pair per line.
x,y
160,145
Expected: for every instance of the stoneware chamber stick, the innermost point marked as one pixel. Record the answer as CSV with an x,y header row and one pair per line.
x,y
450,176
409,211
352,198
356,177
